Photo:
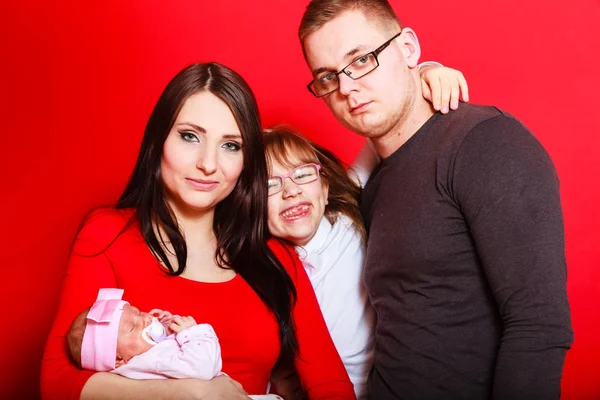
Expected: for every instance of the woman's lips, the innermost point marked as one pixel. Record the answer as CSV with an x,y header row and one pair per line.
x,y
200,184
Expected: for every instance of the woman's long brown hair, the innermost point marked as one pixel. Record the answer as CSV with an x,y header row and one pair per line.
x,y
240,222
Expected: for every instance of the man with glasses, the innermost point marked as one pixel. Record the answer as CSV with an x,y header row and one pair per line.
x,y
465,262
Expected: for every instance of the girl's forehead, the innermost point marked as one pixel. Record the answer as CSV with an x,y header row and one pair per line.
x,y
281,166
290,157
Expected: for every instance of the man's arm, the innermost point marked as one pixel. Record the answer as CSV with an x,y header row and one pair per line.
x,y
506,185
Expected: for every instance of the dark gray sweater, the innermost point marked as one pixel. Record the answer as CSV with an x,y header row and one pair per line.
x,y
465,263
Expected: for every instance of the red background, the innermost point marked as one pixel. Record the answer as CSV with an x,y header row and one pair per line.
x,y
79,79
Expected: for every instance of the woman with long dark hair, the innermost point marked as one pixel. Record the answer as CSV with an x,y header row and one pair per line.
x,y
189,234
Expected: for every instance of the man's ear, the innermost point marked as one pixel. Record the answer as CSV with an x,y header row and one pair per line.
x,y
411,48
119,361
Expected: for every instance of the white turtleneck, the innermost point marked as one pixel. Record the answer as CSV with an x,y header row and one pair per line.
x,y
334,260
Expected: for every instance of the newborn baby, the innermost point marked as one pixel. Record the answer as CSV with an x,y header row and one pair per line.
x,y
113,336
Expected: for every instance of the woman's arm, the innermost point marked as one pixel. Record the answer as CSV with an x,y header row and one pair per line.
x,y
442,86
107,386
318,363
90,268
366,161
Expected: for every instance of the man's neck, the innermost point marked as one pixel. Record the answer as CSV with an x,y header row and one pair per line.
x,y
416,116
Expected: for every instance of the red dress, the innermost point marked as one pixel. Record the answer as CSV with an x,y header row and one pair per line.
x,y
247,329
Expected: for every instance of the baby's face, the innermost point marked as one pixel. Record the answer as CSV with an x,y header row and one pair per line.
x,y
130,342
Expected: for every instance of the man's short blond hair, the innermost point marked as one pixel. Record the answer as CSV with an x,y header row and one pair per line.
x,y
320,12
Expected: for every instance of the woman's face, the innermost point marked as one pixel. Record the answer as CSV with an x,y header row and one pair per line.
x,y
296,212
202,155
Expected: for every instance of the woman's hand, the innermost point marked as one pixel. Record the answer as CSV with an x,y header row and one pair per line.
x,y
443,87
286,383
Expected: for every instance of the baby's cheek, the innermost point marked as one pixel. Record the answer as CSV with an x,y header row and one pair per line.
x,y
145,346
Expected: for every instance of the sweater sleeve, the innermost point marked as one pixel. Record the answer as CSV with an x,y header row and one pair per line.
x,y
507,188
199,355
364,164
88,270
318,363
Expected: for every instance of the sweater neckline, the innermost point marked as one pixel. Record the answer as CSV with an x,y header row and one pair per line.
x,y
416,138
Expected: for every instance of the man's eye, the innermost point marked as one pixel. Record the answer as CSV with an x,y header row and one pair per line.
x,y
363,60
325,79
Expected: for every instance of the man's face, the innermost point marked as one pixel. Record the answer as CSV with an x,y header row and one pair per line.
x,y
376,103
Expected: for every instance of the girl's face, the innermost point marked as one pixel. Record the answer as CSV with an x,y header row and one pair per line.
x,y
296,211
202,155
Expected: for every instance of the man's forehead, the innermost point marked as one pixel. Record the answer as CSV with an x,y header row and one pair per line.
x,y
341,39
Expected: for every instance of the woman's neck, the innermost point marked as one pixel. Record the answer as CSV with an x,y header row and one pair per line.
x,y
196,229
201,242
195,225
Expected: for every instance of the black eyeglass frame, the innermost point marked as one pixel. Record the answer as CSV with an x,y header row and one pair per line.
x,y
375,53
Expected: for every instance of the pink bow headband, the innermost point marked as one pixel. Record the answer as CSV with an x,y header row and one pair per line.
x,y
99,347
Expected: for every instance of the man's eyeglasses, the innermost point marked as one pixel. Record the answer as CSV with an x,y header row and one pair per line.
x,y
358,68
302,175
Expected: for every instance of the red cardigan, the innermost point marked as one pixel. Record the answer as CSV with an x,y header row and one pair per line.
x,y
247,329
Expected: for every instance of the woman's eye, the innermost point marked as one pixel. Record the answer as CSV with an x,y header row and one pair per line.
x,y
232,146
188,136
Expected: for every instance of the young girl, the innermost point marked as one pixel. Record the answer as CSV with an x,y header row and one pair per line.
x,y
190,231
316,209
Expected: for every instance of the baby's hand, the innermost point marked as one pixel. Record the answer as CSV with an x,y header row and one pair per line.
x,y
443,87
181,323
164,317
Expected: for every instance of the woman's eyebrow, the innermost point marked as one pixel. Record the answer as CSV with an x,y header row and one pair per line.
x,y
202,130
196,127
